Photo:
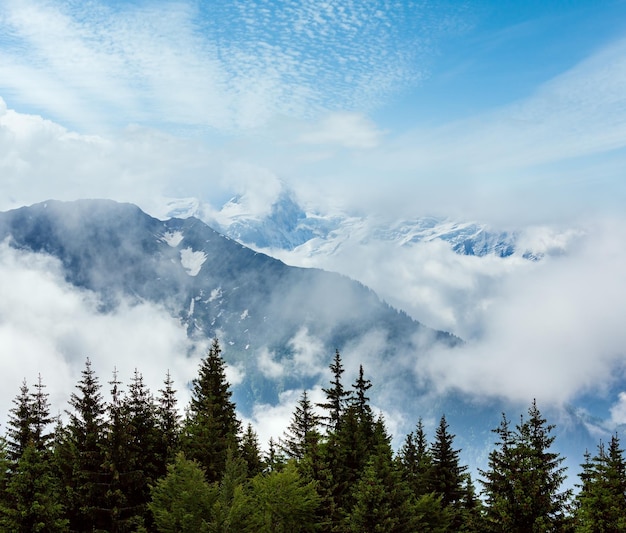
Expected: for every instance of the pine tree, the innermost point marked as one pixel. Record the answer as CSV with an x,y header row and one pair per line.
x,y
416,461
20,424
31,491
447,475
602,498
80,453
211,426
336,395
251,452
382,499
168,424
522,484
302,433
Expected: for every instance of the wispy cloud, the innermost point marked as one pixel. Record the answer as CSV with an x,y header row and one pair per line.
x,y
228,66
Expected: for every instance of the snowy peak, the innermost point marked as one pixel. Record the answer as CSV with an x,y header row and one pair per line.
x,y
284,225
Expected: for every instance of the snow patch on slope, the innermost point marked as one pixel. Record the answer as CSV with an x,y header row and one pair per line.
x,y
192,261
173,239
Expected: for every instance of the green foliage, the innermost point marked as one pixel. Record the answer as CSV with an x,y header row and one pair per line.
x,y
522,484
251,452
336,395
211,425
31,501
416,461
30,497
168,424
107,468
80,455
282,502
383,501
602,498
182,501
302,433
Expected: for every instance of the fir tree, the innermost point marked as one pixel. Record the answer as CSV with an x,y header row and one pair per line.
x,y
142,454
382,499
182,501
522,484
168,424
31,492
336,395
281,501
31,498
602,498
81,456
302,433
416,461
447,475
20,424
211,426
251,452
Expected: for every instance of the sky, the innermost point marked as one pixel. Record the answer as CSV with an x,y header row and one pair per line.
x,y
507,113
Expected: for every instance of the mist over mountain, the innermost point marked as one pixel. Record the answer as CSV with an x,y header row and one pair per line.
x,y
262,310
279,325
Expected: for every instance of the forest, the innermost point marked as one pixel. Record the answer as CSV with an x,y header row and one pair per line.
x,y
137,463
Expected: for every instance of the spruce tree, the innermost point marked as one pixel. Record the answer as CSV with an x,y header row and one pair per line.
x,y
81,455
416,461
168,424
211,426
183,501
447,475
302,433
251,452
143,448
20,430
522,485
31,499
601,502
336,395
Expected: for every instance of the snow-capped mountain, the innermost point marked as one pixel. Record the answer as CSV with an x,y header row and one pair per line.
x,y
255,304
279,324
286,225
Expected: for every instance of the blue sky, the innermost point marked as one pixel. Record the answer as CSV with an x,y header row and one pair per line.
x,y
379,105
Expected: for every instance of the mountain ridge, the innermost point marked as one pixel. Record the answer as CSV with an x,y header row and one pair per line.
x,y
213,284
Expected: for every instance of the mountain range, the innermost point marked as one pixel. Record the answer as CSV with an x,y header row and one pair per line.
x,y
280,323
287,225
217,287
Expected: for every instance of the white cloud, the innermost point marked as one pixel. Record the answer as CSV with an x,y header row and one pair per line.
x,y
552,332
271,421
349,130
268,366
618,410
49,327
229,66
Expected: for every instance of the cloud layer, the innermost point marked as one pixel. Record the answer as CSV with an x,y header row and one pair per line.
x,y
49,328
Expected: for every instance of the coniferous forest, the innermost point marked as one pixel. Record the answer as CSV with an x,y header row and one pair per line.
x,y
134,464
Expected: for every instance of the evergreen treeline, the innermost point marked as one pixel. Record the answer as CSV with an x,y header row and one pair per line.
x,y
133,464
